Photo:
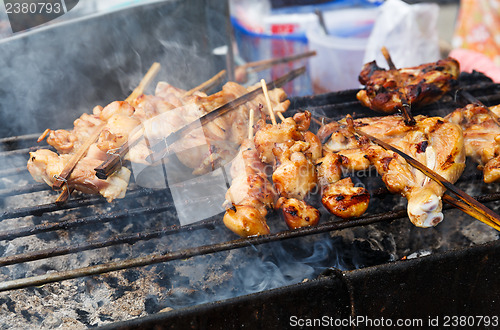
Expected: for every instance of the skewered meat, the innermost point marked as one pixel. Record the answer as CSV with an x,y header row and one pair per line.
x,y
481,130
45,165
295,174
293,151
250,195
246,221
207,148
340,197
432,141
345,200
297,213
389,90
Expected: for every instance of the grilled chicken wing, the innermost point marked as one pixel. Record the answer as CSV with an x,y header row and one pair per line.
x,y
388,90
432,141
481,128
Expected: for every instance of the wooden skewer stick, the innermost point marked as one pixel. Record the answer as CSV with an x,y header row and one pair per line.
x,y
282,118
469,98
409,120
250,124
207,84
470,211
63,197
264,64
486,214
75,158
146,80
241,71
388,58
70,166
268,101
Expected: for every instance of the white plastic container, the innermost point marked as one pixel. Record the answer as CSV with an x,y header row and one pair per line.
x,y
340,52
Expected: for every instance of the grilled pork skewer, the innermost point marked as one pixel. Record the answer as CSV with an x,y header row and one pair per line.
x,y
251,194
117,120
291,150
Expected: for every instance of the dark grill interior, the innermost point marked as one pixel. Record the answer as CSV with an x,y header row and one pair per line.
x,y
135,247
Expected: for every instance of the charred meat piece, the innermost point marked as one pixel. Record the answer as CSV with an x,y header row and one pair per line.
x,y
389,90
297,213
250,196
345,200
245,221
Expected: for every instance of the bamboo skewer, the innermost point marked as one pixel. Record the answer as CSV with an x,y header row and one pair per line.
x,y
282,118
406,111
268,101
207,84
241,71
466,208
465,202
62,179
146,80
162,147
467,96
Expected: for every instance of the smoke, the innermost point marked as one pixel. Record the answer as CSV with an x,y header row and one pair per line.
x,y
250,270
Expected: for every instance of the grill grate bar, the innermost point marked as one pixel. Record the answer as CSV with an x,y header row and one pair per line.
x,y
191,252
116,240
23,189
75,203
22,151
50,226
13,171
185,253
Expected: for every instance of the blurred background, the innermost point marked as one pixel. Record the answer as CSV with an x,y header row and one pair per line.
x,y
353,32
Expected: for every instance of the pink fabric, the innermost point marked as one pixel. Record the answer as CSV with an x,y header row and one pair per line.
x,y
471,60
